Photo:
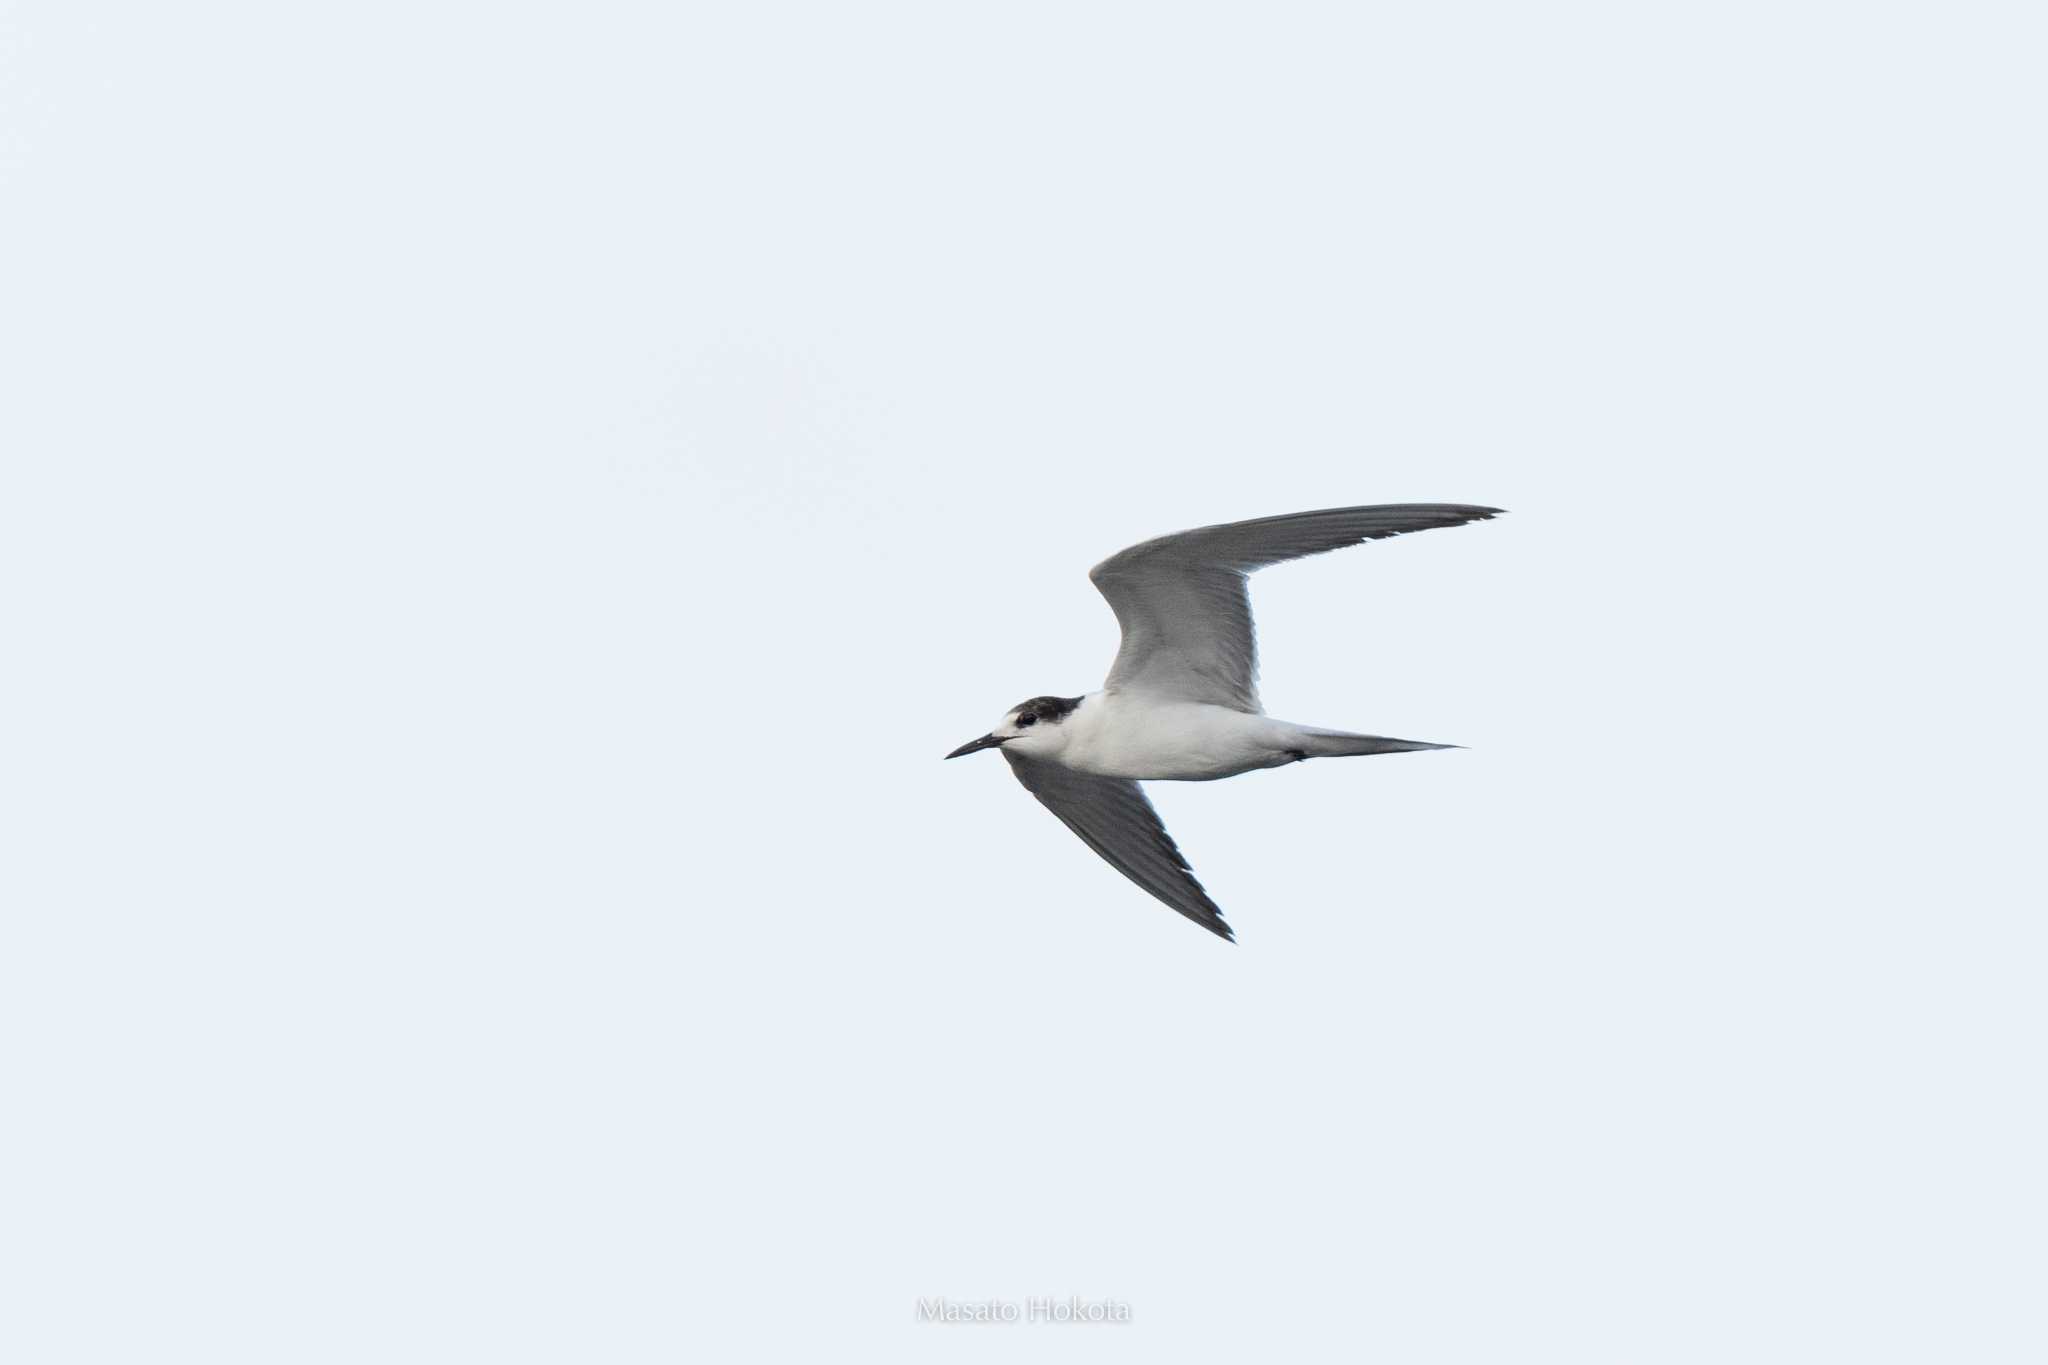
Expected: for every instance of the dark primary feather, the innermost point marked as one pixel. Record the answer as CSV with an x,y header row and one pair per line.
x,y
1113,817
1181,601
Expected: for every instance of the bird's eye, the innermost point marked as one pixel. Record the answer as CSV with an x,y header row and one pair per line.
x,y
1026,719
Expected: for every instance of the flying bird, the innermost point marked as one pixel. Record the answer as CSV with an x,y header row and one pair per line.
x,y
1181,702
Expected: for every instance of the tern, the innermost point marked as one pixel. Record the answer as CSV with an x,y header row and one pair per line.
x,y
1181,701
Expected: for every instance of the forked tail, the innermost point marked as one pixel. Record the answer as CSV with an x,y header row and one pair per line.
x,y
1343,744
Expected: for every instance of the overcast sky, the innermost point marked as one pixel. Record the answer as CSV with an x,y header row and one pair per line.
x,y
504,508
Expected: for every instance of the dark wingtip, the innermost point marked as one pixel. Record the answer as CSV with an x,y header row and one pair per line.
x,y
1463,513
1426,516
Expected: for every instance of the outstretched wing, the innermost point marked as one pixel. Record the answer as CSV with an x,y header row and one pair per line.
x,y
1181,601
1113,817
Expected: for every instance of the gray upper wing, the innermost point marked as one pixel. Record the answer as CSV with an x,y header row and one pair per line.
x,y
1182,605
1113,817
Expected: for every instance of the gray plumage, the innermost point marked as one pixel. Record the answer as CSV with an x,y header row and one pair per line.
x,y
1181,701
1114,817
1182,603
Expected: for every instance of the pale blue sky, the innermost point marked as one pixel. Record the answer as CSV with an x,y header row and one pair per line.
x,y
503,509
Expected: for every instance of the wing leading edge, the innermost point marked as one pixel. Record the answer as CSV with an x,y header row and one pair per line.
x,y
1113,816
1181,602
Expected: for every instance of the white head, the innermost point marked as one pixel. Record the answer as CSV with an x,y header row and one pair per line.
x,y
1030,727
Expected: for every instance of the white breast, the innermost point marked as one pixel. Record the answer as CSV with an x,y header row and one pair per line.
x,y
1119,735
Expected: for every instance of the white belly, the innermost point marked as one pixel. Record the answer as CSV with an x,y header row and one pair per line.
x,y
1177,741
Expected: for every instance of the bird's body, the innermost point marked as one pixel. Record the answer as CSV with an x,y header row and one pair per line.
x,y
1181,702
1132,735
